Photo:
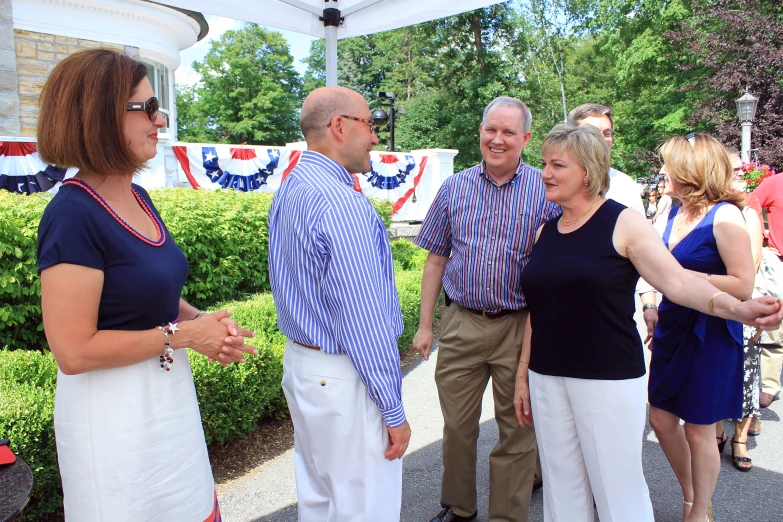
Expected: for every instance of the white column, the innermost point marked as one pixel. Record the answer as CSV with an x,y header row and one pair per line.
x,y
440,165
747,126
171,166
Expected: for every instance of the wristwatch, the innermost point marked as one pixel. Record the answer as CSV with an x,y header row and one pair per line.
x,y
650,306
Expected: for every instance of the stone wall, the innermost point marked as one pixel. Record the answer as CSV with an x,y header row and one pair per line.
x,y
9,100
36,56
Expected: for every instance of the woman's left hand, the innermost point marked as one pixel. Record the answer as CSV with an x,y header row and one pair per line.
x,y
235,348
522,397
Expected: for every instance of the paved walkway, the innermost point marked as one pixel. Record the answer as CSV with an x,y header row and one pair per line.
x,y
268,492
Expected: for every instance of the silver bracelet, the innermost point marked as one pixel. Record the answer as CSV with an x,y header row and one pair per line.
x,y
198,315
649,306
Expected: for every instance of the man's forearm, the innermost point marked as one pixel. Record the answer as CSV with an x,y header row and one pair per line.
x,y
431,285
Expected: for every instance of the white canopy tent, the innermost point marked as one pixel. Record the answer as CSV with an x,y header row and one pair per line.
x,y
332,19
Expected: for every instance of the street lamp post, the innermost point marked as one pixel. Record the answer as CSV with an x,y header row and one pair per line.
x,y
381,118
746,107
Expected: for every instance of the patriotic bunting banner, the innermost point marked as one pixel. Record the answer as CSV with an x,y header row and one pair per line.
x,y
241,168
23,172
393,177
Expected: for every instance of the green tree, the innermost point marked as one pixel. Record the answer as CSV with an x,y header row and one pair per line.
x,y
249,91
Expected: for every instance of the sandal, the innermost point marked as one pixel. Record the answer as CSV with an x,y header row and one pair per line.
x,y
722,441
740,460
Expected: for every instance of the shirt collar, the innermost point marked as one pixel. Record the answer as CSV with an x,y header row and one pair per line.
x,y
514,178
329,166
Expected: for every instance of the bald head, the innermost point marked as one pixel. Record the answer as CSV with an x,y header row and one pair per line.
x,y
322,105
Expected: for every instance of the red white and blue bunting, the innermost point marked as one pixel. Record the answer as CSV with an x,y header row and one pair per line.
x,y
22,171
393,177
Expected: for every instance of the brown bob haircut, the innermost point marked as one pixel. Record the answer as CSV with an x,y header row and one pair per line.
x,y
81,122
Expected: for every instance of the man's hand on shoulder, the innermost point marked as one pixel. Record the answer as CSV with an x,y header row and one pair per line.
x,y
422,342
399,438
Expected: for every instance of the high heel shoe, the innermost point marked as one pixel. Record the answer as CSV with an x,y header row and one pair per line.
x,y
722,441
737,461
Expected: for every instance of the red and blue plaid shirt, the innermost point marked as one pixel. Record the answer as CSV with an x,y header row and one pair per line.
x,y
487,231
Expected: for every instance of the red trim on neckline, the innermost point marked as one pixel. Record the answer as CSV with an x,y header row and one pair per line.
x,y
155,221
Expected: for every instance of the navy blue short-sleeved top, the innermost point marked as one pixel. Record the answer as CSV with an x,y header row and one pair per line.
x,y
143,277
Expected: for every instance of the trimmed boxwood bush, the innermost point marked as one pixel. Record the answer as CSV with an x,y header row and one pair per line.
x,y
223,234
232,400
27,384
20,286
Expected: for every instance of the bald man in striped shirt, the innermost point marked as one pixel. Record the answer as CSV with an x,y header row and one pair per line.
x,y
332,279
480,232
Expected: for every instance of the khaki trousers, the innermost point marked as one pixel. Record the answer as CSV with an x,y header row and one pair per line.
x,y
472,349
771,362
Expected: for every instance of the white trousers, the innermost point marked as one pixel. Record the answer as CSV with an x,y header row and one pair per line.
x,y
340,438
589,435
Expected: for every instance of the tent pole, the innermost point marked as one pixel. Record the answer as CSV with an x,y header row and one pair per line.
x,y
331,56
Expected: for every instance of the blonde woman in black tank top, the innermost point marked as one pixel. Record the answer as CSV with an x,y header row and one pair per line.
x,y
587,392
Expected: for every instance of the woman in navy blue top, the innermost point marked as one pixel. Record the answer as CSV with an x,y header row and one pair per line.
x,y
129,439
581,370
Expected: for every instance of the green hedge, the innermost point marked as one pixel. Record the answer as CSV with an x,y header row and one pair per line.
x,y
20,287
27,385
223,234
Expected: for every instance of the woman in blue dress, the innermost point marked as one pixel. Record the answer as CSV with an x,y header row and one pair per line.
x,y
696,369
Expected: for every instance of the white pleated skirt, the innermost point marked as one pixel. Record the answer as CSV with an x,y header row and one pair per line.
x,y
131,447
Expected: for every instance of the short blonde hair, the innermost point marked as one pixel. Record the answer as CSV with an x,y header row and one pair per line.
x,y
702,166
587,146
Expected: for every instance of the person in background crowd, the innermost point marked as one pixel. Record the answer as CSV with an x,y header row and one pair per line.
x,y
752,381
588,398
129,438
652,204
770,196
696,368
622,187
664,202
479,233
332,279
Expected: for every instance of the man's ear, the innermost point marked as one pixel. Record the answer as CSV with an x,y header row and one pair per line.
x,y
526,139
336,127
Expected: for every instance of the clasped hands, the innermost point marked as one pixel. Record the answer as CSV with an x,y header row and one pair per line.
x,y
219,337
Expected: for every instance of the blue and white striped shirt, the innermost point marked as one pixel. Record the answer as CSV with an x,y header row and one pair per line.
x,y
487,231
332,276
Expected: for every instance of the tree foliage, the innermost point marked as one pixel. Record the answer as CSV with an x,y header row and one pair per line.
x,y
666,67
249,91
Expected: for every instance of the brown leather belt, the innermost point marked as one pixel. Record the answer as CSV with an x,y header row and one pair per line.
x,y
308,346
488,314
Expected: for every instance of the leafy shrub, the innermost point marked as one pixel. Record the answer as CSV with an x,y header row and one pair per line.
x,y
225,238
409,290
20,286
27,383
384,210
232,400
408,256
223,234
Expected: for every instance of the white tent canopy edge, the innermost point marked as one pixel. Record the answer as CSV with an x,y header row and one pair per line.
x,y
332,19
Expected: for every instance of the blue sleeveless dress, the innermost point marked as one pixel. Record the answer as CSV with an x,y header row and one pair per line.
x,y
696,368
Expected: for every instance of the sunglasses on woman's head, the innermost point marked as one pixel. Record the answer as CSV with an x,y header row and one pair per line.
x,y
151,107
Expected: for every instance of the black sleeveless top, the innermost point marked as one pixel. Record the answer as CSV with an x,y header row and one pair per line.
x,y
580,293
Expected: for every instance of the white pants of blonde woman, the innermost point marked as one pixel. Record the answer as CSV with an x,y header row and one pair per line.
x,y
340,438
589,436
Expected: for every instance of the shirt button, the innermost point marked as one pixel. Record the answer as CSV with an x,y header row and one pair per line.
x,y
496,212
